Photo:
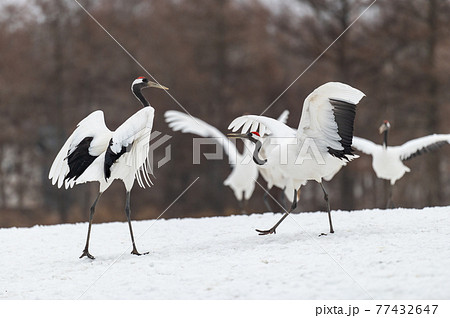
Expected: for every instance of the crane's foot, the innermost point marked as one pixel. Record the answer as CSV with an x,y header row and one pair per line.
x,y
322,234
135,252
86,253
265,232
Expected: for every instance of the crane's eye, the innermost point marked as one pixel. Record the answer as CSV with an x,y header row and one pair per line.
x,y
145,80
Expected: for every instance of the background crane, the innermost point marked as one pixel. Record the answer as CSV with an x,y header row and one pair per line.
x,y
244,172
387,161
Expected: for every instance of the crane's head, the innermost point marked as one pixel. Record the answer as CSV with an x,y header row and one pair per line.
x,y
253,136
142,82
384,127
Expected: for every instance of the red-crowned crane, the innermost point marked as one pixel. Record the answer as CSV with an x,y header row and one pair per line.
x,y
95,153
245,172
325,129
387,161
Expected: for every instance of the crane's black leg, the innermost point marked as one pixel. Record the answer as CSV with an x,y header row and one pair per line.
x,y
266,202
390,203
243,204
325,196
246,207
128,213
273,229
283,199
91,216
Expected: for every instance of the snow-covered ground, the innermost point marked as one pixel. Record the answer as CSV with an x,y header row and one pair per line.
x,y
380,254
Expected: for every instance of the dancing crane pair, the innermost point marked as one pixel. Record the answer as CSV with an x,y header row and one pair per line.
x,y
94,153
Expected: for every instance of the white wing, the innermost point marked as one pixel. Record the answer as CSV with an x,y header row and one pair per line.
x,y
263,125
130,146
422,145
187,124
328,115
93,126
242,179
365,145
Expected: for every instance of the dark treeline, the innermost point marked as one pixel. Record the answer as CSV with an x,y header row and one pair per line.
x,y
220,59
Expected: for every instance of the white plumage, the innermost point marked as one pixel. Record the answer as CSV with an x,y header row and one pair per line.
x,y
320,146
387,161
245,172
133,134
95,153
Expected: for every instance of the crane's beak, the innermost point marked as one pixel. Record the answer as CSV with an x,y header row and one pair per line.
x,y
236,135
156,85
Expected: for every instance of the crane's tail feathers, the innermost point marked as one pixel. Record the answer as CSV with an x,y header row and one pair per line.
x,y
143,179
144,173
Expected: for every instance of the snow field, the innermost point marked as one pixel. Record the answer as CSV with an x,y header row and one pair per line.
x,y
380,254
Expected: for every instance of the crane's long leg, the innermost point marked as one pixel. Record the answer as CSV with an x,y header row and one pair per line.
x,y
266,202
283,199
243,204
128,213
390,203
91,216
273,229
325,196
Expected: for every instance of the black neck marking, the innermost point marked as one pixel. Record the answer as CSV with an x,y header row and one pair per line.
x,y
385,138
256,158
137,92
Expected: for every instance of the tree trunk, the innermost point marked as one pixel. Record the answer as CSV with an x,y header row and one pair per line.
x,y
433,182
346,180
56,28
2,179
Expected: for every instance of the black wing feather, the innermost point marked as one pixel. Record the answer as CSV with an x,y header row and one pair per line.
x,y
80,159
429,148
111,157
344,115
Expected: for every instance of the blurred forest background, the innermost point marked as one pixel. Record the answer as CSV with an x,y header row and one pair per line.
x,y
220,59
